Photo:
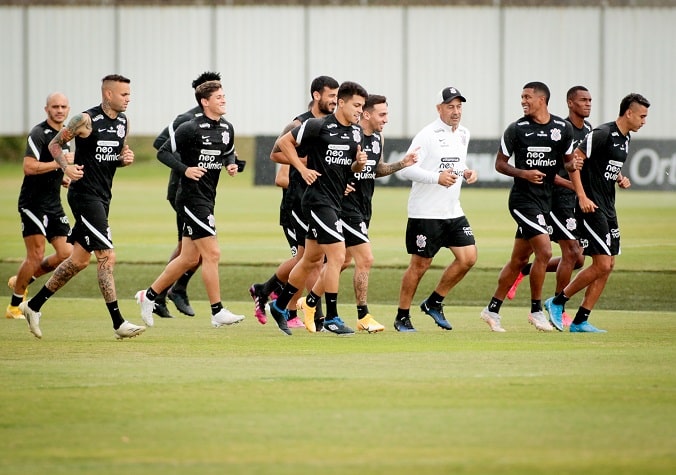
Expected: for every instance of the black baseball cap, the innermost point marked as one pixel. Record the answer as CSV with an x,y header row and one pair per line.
x,y
447,94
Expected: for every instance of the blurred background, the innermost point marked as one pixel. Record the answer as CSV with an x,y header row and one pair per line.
x,y
269,51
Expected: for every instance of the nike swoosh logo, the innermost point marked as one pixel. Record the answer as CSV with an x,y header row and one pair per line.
x,y
102,130
529,134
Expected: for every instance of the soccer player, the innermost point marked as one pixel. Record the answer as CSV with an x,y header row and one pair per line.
x,y
435,217
178,292
565,229
42,215
100,135
333,147
206,145
356,211
540,142
604,151
324,92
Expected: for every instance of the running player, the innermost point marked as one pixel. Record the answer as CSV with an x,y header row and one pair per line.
x,y
356,211
435,217
324,91
178,292
205,145
100,135
42,215
540,142
565,230
604,151
333,147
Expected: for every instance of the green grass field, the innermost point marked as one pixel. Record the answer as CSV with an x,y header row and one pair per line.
x,y
184,398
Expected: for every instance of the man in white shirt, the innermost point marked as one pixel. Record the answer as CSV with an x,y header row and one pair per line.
x,y
435,217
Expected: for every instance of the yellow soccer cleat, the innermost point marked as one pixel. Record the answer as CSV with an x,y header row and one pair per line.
x,y
308,314
14,313
368,324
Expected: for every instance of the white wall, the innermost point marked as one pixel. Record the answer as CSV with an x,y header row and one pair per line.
x,y
268,56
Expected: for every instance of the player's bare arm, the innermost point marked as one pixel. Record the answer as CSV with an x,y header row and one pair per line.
x,y
276,155
384,169
287,145
502,166
80,125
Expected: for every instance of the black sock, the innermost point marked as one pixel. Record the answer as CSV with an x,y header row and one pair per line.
x,y
293,314
312,299
434,300
285,297
40,298
525,270
319,313
494,305
535,306
16,300
331,304
151,294
581,316
161,298
362,311
216,307
115,314
181,285
273,284
560,299
403,313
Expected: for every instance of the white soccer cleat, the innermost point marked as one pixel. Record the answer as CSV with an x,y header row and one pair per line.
x,y
493,320
128,330
147,307
225,317
33,319
539,321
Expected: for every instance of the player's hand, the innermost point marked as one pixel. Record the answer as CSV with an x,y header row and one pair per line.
x,y
309,175
195,173
623,182
349,188
535,176
65,182
232,169
70,157
447,178
127,156
361,157
470,176
576,163
74,172
410,158
587,205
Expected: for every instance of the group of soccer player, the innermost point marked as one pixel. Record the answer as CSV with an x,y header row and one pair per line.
x,y
565,173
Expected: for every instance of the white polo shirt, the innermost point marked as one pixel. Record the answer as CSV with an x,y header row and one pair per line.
x,y
440,149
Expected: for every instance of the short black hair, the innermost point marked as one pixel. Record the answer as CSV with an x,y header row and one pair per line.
x,y
348,89
373,100
204,77
573,90
116,78
540,87
629,99
320,82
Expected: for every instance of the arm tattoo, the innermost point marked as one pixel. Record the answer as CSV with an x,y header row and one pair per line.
x,y
65,135
384,169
